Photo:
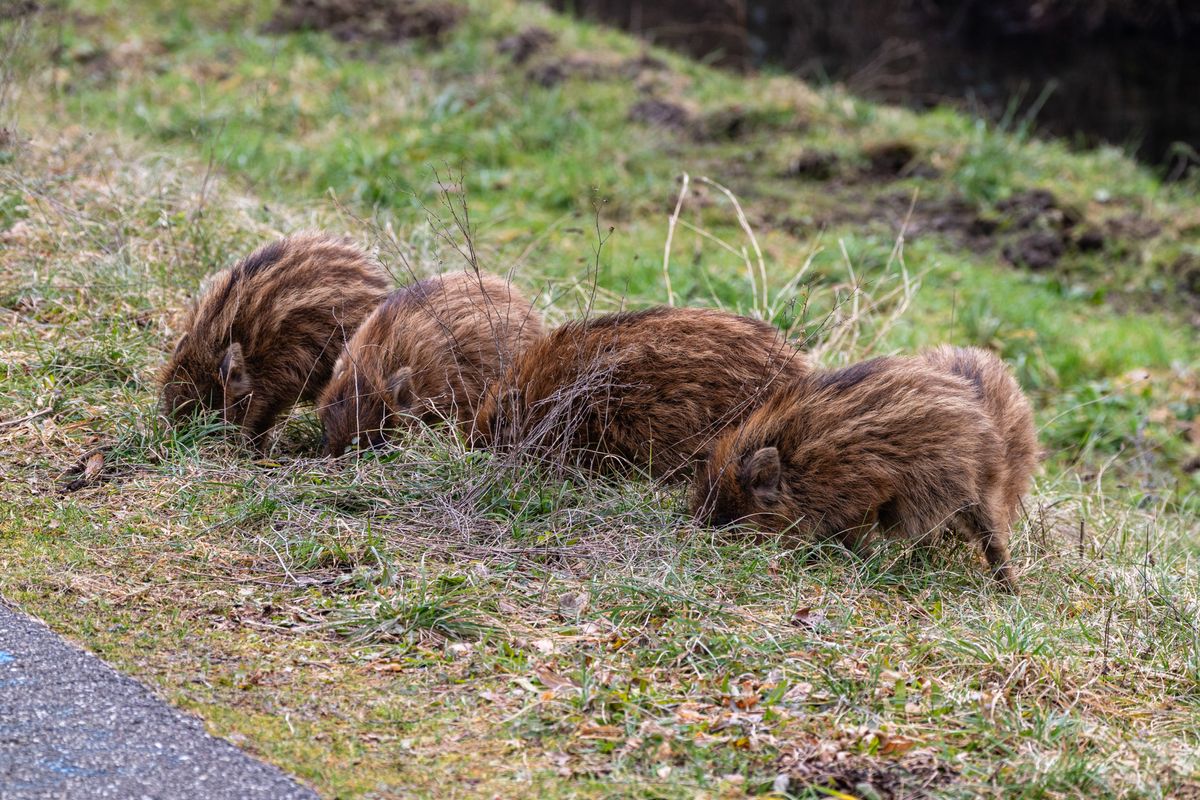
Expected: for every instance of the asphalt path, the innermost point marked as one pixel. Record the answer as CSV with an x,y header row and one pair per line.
x,y
73,727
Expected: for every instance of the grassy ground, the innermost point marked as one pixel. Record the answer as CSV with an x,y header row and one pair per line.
x,y
430,623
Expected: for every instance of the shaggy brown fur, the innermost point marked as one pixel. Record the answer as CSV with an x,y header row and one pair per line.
x,y
428,352
907,444
1008,409
266,332
649,388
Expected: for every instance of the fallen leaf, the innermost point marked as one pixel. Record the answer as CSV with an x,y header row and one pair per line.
x,y
507,606
88,471
552,679
526,684
609,733
572,604
799,691
897,745
808,618
94,465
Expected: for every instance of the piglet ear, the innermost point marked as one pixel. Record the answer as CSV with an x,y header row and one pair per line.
x,y
179,344
760,473
399,388
233,371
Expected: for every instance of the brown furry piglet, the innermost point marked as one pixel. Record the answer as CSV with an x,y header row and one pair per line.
x,y
428,352
912,445
266,332
648,388
1008,408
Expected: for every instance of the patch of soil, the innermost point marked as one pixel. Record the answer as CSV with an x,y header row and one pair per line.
x,y
1185,272
1132,227
814,165
915,775
15,9
884,161
381,21
736,121
660,113
890,159
1038,250
728,123
1045,229
100,65
955,217
1036,207
520,47
1090,240
725,123
643,63
1031,229
551,72
90,470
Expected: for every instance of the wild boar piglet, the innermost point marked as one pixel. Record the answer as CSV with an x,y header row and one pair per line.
x,y
903,445
265,333
428,352
645,389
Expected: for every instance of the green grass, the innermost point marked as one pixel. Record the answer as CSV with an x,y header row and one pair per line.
x,y
431,618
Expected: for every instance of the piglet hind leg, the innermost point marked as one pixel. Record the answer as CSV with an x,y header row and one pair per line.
x,y
993,530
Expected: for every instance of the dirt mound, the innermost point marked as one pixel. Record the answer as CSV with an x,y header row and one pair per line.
x,y
550,72
520,47
955,217
723,124
15,9
881,162
661,114
1185,272
915,775
1034,207
1032,228
814,165
1038,250
384,21
1044,229
895,159
736,121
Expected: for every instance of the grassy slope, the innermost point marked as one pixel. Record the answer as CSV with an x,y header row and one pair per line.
x,y
416,622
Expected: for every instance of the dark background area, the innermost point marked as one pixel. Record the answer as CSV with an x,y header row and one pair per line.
x,y
1117,71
